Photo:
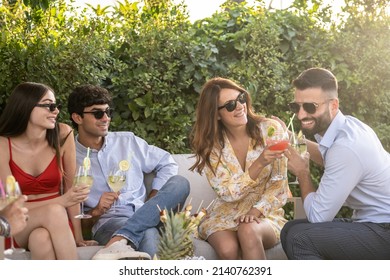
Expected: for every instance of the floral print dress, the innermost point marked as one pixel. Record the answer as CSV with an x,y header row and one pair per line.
x,y
237,193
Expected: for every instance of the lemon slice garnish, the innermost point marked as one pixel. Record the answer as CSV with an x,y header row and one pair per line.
x,y
124,165
87,163
270,131
300,134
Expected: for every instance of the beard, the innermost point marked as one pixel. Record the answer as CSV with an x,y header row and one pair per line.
x,y
321,124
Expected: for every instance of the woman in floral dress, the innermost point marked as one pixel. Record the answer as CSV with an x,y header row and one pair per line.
x,y
227,140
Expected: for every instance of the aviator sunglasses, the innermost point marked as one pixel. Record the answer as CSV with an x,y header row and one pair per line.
x,y
52,106
98,114
231,105
310,108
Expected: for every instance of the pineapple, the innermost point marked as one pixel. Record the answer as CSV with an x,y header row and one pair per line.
x,y
175,238
178,231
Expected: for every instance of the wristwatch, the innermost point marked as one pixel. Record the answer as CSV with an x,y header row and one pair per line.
x,y
5,228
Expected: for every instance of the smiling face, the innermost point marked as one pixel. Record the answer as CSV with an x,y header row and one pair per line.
x,y
42,116
238,116
319,121
89,126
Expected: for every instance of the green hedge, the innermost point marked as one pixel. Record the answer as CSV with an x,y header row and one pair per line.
x,y
154,60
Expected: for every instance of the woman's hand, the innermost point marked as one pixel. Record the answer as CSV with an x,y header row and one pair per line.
x,y
268,156
84,243
76,195
253,215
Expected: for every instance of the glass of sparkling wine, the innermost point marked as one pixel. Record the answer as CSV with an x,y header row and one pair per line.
x,y
116,179
83,178
13,192
299,144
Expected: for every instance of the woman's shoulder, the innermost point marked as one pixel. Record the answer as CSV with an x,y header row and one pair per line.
x,y
3,141
65,131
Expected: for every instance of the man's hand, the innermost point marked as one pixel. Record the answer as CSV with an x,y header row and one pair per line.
x,y
296,163
105,202
16,215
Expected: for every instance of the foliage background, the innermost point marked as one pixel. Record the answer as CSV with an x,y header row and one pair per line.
x,y
154,60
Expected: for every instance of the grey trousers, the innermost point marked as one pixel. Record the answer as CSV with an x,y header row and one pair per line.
x,y
340,239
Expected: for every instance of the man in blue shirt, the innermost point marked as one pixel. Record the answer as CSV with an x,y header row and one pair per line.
x,y
356,174
123,221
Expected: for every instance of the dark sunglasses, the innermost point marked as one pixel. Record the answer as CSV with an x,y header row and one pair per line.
x,y
52,106
231,105
98,114
310,108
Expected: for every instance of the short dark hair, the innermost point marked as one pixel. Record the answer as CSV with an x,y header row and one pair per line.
x,y
85,96
317,78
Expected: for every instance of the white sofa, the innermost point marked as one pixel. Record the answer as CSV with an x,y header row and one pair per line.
x,y
200,194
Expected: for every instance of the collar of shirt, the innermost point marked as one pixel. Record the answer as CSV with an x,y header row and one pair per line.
x,y
331,133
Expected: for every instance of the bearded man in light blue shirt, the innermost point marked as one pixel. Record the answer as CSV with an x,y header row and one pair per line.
x,y
356,174
123,221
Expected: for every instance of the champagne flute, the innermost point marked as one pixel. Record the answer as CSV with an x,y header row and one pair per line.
x,y
83,178
13,192
117,178
299,144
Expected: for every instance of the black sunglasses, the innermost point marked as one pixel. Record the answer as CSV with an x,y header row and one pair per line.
x,y
310,108
98,114
52,106
231,105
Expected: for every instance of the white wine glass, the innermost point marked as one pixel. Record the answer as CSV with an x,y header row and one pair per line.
x,y
13,192
298,142
83,178
116,180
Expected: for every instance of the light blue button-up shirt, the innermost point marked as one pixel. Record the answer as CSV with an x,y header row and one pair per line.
x,y
357,174
143,158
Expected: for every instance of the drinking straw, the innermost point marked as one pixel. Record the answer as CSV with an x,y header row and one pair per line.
x,y
2,189
85,169
290,123
292,126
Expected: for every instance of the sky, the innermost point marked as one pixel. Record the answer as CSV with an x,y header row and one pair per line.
x,y
199,9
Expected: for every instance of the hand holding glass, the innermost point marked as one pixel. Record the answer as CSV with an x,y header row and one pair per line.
x,y
13,192
83,178
116,180
278,141
298,142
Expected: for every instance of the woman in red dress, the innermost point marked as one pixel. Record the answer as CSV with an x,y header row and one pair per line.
x,y
40,154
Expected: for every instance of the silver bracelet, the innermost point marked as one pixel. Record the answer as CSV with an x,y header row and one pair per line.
x,y
5,229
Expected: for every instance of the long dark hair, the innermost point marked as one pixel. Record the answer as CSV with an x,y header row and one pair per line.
x,y
16,114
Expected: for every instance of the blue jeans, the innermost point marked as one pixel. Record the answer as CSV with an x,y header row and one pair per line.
x,y
141,228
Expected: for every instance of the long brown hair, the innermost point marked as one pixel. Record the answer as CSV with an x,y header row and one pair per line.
x,y
207,132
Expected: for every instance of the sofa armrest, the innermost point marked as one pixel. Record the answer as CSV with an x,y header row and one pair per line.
x,y
299,211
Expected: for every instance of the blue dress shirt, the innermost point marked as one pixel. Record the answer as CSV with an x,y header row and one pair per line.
x,y
356,174
143,158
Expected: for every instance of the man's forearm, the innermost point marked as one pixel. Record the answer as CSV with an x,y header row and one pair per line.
x,y
315,155
305,184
